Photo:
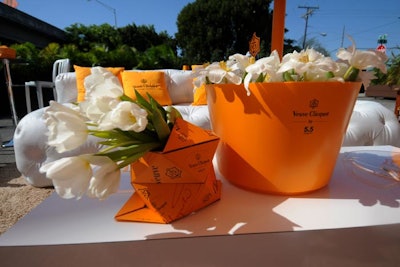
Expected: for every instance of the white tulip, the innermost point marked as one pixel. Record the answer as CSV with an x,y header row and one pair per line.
x,y
126,116
96,108
237,65
308,65
362,60
67,128
106,178
102,83
219,72
267,66
70,175
366,77
239,61
215,73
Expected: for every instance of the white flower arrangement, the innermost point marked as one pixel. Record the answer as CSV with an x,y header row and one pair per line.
x,y
304,66
126,129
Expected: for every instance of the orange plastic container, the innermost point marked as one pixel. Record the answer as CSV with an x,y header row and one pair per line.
x,y
285,137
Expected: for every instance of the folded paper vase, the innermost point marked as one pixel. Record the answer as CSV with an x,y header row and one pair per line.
x,y
175,182
283,138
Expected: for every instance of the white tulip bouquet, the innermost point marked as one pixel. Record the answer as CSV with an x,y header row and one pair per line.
x,y
126,129
304,66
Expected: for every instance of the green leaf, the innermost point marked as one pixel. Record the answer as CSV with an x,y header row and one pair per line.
x,y
287,76
330,74
128,152
260,78
126,98
145,136
156,106
131,159
172,115
351,74
112,134
161,126
142,101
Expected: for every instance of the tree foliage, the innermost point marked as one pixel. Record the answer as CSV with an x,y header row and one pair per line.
x,y
144,37
98,45
85,37
393,73
392,76
211,30
315,44
208,30
126,46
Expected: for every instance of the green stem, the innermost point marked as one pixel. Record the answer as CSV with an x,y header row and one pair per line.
x,y
351,74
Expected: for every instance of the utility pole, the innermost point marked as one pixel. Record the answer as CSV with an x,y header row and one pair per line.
x,y
310,11
341,43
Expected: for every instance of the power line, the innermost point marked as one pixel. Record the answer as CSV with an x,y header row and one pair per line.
x,y
109,8
309,12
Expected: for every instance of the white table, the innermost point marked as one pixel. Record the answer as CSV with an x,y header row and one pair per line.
x,y
354,221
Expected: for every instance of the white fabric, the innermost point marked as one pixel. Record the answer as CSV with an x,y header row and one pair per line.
x,y
178,82
32,151
198,115
180,85
65,84
372,124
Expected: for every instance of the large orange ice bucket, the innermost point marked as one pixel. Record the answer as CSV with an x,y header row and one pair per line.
x,y
283,138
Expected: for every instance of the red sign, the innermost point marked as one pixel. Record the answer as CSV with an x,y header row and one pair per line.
x,y
381,48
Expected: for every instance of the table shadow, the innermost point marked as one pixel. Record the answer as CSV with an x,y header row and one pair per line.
x,y
369,176
238,211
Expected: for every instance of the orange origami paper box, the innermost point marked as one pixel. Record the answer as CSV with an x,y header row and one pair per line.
x,y
175,182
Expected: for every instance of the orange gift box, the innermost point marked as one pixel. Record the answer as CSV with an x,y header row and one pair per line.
x,y
6,52
175,182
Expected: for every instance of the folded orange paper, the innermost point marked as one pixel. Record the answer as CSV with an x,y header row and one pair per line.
x,y
175,182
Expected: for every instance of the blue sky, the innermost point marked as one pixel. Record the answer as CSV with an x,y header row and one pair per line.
x,y
365,20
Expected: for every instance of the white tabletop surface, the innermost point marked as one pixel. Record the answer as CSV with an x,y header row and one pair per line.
x,y
352,199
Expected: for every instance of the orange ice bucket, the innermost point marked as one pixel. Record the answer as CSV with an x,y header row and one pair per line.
x,y
284,138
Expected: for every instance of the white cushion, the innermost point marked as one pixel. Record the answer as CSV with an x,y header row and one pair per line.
x,y
372,124
198,115
65,84
180,85
32,151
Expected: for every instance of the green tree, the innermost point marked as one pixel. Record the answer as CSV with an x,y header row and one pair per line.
x,y
158,57
143,37
32,63
86,37
126,47
211,30
393,73
392,76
